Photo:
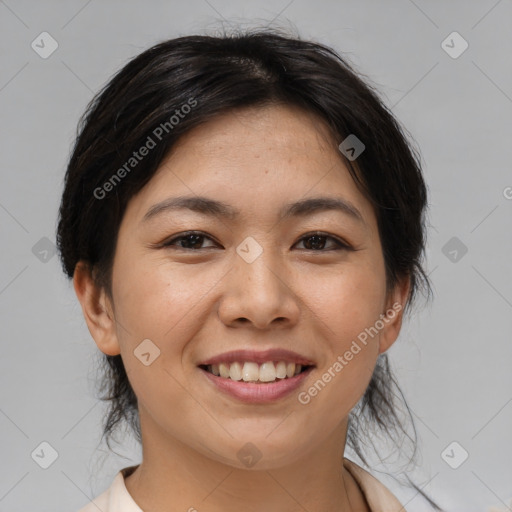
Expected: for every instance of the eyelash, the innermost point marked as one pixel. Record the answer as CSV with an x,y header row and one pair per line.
x,y
341,244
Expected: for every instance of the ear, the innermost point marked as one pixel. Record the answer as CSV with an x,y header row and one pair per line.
x,y
395,305
97,310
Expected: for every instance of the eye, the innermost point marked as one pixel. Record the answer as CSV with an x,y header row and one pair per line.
x,y
191,239
316,242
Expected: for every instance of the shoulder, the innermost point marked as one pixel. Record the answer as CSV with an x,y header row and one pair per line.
x,y
114,499
98,503
379,497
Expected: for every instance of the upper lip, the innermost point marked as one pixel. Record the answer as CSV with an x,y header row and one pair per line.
x,y
258,356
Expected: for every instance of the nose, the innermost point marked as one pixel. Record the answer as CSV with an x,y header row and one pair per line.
x,y
260,293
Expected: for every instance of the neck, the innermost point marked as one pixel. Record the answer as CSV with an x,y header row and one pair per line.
x,y
174,476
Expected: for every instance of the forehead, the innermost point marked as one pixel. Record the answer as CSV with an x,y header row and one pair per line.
x,y
261,133
255,158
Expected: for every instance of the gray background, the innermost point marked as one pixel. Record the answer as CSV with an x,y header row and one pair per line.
x,y
453,358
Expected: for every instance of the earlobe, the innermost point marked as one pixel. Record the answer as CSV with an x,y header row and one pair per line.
x,y
394,315
96,309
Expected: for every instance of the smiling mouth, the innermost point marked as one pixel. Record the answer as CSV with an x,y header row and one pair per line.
x,y
248,371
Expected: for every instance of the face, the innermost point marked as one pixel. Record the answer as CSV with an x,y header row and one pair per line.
x,y
311,282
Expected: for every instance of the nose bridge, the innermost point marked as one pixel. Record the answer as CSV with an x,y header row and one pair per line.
x,y
257,264
257,289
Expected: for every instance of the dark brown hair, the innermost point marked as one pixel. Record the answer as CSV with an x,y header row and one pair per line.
x,y
221,74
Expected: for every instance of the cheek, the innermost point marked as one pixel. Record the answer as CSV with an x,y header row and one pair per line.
x,y
154,300
346,307
155,303
345,303
164,304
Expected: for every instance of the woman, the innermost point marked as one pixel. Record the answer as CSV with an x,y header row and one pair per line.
x,y
243,221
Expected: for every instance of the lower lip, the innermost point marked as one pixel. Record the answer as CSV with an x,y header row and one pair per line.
x,y
253,393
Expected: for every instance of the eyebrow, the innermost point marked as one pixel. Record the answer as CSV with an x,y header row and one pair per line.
x,y
214,208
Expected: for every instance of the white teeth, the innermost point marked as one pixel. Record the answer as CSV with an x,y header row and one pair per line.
x,y
253,372
250,372
224,370
281,370
267,372
235,371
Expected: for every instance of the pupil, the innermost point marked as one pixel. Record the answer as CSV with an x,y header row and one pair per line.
x,y
317,244
193,239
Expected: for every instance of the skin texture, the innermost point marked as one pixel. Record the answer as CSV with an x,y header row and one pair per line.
x,y
194,305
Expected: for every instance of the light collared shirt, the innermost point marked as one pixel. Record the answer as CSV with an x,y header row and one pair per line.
x,y
117,498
